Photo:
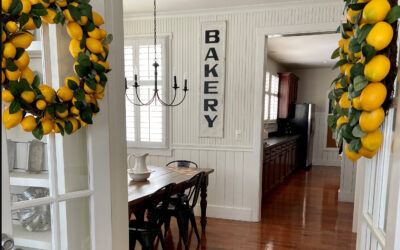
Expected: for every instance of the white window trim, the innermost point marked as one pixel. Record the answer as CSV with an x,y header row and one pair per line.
x,y
163,148
270,125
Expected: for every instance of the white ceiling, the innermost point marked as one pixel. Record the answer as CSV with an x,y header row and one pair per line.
x,y
308,51
146,6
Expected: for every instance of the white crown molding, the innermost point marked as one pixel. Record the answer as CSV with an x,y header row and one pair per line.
x,y
235,9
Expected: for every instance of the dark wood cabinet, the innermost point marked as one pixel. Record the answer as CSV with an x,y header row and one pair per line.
x,y
288,84
280,160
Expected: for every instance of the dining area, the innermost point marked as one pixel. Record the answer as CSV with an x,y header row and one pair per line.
x,y
156,194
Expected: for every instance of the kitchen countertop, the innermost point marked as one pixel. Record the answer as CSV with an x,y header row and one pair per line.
x,y
276,140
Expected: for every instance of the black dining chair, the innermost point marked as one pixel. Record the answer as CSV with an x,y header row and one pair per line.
x,y
147,231
183,208
183,163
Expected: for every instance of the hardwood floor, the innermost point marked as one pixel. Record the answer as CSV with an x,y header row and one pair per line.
x,y
303,213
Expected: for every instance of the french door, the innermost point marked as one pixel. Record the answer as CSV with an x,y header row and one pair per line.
x,y
56,192
379,205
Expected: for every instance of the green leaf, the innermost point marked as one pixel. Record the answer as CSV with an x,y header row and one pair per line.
x,y
75,13
82,43
38,131
354,45
363,33
95,108
79,94
23,19
91,83
359,83
86,115
90,26
14,87
15,106
338,92
51,110
339,63
38,10
393,14
68,126
355,145
103,79
72,85
357,6
109,39
339,136
354,116
356,70
24,85
60,108
19,53
344,82
37,21
36,81
357,132
347,132
10,65
334,55
99,68
332,122
84,60
368,52
86,10
57,18
60,127
81,70
15,7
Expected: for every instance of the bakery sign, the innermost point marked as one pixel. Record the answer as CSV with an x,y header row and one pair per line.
x,y
213,40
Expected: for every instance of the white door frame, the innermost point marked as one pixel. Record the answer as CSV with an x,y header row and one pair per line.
x,y
261,49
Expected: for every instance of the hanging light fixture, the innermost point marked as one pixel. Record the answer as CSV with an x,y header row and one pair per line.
x,y
156,95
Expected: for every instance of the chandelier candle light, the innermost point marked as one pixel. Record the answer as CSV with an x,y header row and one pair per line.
x,y
156,95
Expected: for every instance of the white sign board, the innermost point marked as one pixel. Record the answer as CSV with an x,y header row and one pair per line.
x,y
212,95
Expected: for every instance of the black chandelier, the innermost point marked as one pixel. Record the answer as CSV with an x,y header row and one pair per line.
x,y
156,95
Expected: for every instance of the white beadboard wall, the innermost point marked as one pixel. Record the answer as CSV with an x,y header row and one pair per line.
x,y
234,187
323,156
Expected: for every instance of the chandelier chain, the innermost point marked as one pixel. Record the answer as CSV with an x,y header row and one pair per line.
x,y
155,30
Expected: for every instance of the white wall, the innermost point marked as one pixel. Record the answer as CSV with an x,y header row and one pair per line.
x,y
235,186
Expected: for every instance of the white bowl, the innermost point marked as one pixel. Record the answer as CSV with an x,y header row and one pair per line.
x,y
139,176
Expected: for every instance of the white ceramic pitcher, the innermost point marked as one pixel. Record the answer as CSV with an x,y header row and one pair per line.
x,y
140,163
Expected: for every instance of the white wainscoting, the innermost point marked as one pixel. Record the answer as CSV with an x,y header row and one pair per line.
x,y
323,156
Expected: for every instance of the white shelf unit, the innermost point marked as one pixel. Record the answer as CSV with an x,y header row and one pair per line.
x,y
35,240
29,180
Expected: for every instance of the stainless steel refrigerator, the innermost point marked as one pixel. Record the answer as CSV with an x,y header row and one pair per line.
x,y
303,123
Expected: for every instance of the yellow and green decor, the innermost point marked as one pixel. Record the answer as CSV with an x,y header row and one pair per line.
x,y
35,106
367,61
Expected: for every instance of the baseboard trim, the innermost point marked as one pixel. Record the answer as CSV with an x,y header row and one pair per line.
x,y
228,213
346,196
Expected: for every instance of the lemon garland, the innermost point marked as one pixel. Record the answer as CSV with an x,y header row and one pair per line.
x,y
363,89
38,108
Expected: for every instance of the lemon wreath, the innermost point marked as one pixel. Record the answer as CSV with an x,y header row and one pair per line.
x,y
38,108
362,92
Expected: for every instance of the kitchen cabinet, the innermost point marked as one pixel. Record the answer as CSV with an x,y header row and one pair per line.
x,y
280,160
288,84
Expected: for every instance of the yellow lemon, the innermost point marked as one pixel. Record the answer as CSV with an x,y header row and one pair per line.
x,y
97,78
73,110
87,89
28,75
22,39
74,48
9,50
74,30
28,124
22,61
103,33
351,15
74,67
346,46
74,122
3,63
94,45
34,2
5,4
371,120
65,94
41,104
376,11
380,36
7,96
367,154
95,33
45,4
30,25
67,15
3,36
347,71
26,7
48,93
87,98
62,114
104,64
62,3
28,96
11,120
372,141
49,18
47,126
373,96
97,19
56,128
341,120
82,122
344,102
343,68
11,26
93,58
84,20
99,96
356,102
72,78
13,75
99,89
353,156
377,69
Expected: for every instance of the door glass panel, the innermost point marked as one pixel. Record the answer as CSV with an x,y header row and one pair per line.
x,y
75,224
32,228
73,173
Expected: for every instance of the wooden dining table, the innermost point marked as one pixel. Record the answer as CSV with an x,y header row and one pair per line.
x,y
162,176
